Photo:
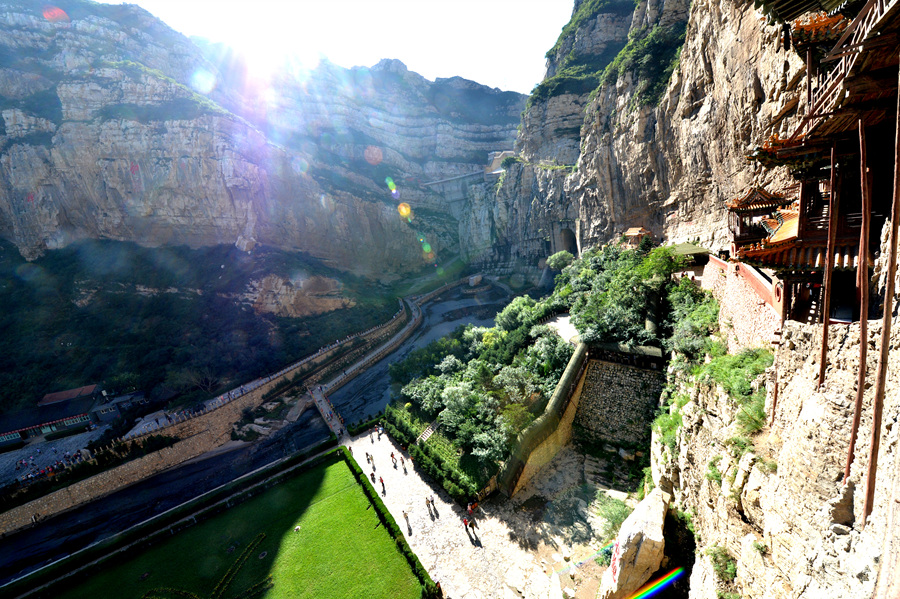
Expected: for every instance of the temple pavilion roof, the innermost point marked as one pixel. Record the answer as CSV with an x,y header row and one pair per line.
x,y
757,198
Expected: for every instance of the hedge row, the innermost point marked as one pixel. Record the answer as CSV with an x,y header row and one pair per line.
x,y
429,589
363,425
137,538
427,459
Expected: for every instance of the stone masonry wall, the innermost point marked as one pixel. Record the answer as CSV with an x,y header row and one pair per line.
x,y
618,403
745,318
548,449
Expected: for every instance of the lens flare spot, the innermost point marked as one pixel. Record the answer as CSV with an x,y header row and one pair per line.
x,y
430,256
440,271
299,165
373,155
404,210
55,14
426,247
395,193
203,81
390,183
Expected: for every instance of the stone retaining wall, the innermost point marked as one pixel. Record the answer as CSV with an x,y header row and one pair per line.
x,y
547,450
746,316
618,403
199,435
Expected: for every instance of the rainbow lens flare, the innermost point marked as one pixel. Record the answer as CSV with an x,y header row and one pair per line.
x,y
653,587
404,210
426,247
390,183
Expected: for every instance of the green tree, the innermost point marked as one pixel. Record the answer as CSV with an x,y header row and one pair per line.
x,y
560,260
515,314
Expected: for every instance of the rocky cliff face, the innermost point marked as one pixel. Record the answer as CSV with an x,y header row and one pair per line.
x,y
115,126
660,146
779,510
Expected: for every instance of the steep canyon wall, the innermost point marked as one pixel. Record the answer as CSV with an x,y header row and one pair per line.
x,y
115,126
644,147
779,509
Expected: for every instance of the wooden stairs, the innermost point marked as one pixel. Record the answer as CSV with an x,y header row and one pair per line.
x,y
429,430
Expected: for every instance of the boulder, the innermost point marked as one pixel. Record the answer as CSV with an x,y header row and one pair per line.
x,y
638,550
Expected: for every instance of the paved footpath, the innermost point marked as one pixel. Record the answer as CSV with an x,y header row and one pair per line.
x,y
502,557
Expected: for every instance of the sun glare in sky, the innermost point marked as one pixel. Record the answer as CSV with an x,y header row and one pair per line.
x,y
499,43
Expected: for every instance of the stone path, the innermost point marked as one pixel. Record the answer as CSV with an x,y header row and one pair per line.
x,y
515,551
565,328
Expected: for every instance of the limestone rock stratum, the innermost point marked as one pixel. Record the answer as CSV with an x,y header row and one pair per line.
x,y
115,126
661,147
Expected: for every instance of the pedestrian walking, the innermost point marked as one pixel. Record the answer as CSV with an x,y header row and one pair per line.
x,y
466,523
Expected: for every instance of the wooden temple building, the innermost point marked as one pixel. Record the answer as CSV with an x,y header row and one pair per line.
x,y
819,245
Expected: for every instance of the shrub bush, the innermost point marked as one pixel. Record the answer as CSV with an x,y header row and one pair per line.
x,y
724,565
614,512
712,470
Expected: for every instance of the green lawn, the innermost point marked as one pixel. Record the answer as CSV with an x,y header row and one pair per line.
x,y
340,551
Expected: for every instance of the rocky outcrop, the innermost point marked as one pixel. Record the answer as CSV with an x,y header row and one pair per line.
x,y
296,298
639,548
778,509
115,126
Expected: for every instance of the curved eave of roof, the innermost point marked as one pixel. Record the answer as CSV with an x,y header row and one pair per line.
x,y
788,10
756,198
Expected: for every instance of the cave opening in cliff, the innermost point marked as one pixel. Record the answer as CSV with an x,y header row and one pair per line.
x,y
568,242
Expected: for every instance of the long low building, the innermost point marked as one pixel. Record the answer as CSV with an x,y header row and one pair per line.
x,y
60,411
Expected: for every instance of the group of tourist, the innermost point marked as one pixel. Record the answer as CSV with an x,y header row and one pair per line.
x,y
33,470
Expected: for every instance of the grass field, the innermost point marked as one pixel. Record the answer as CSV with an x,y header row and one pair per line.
x,y
340,551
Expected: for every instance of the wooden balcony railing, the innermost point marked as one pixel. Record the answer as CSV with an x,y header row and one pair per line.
x,y
829,91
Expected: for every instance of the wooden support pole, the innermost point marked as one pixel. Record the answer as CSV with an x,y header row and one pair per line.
x,y
833,207
862,289
804,200
809,76
883,350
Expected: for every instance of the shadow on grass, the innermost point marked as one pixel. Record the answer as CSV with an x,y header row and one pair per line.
x,y
314,523
95,524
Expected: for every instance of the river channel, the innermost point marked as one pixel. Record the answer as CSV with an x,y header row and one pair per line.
x,y
58,536
370,392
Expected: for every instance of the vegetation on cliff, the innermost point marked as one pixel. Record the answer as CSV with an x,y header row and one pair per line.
x,y
652,54
168,321
580,74
700,356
